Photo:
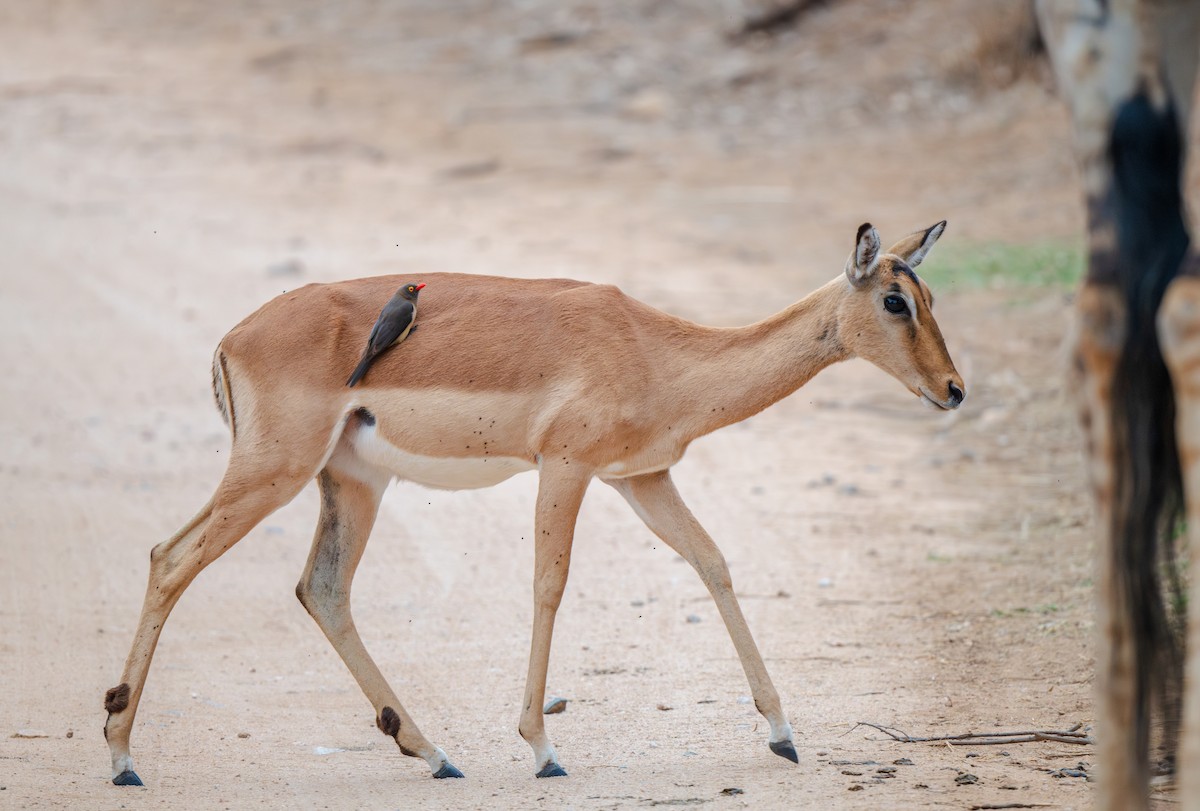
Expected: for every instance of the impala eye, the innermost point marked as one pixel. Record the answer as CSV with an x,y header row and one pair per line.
x,y
895,304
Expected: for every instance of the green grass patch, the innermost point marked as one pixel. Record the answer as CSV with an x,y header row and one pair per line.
x,y
999,265
1044,610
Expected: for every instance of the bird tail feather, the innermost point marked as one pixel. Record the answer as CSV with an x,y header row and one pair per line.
x,y
363,365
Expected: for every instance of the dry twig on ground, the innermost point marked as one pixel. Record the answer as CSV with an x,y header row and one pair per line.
x,y
1072,735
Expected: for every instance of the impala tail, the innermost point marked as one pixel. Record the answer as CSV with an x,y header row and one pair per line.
x,y
1147,500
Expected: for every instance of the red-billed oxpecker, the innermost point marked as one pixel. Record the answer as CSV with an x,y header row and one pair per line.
x,y
394,324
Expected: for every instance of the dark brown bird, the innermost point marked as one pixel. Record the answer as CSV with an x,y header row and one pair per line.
x,y
393,325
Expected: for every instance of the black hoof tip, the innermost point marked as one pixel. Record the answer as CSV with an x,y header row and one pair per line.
x,y
127,778
785,749
447,770
552,770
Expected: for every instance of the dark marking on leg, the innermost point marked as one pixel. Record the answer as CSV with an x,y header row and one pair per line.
x,y
388,722
785,749
117,699
404,750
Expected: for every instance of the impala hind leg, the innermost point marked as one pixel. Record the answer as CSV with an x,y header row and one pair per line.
x,y
560,492
1179,330
250,491
349,505
1101,318
655,499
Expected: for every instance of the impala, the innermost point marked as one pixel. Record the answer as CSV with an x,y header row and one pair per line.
x,y
577,381
1127,69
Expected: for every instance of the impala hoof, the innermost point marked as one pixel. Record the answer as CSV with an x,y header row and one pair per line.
x,y
447,770
127,778
552,769
785,749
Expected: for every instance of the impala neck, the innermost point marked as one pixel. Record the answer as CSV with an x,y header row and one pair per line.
x,y
746,369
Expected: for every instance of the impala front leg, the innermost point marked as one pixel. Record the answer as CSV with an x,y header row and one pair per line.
x,y
560,492
655,499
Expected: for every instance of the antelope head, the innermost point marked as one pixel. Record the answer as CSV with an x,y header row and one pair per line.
x,y
886,316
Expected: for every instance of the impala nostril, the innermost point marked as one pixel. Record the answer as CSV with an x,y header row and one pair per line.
x,y
956,394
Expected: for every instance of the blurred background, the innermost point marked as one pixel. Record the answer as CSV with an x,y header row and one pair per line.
x,y
168,167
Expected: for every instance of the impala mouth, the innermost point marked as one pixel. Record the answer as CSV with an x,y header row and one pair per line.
x,y
936,404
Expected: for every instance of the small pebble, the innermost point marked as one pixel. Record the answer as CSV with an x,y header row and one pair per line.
x,y
825,583
966,779
29,733
693,618
70,733
729,792
665,707
243,734
744,699
902,762
554,706
855,787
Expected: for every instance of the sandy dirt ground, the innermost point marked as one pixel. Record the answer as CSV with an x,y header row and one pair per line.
x,y
169,167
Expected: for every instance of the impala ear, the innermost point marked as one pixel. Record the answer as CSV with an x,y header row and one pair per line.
x,y
862,262
914,247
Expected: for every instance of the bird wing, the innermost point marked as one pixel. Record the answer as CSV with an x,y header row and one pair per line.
x,y
393,324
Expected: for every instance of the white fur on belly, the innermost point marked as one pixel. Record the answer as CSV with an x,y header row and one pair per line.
x,y
444,472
